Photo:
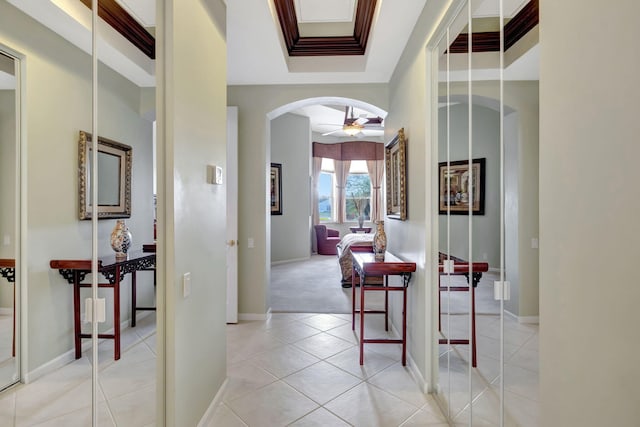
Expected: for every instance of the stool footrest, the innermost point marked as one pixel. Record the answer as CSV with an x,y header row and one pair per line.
x,y
111,336
382,341
453,341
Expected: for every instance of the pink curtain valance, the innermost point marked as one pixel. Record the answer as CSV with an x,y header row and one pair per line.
x,y
351,150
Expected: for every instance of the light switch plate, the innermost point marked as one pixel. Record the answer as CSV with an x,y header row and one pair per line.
x,y
214,175
186,285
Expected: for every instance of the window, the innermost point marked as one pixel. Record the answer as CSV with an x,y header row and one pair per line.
x,y
326,186
358,192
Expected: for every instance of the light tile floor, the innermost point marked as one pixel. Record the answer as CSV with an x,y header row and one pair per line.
x,y
297,370
126,392
302,370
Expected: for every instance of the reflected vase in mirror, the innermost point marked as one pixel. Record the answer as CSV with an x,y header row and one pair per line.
x,y
360,220
379,241
121,239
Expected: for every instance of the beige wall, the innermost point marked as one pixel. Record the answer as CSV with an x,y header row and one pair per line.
x,y
58,105
191,135
291,147
589,213
254,104
417,238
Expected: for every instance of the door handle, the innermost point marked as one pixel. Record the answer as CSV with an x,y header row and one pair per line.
x,y
231,243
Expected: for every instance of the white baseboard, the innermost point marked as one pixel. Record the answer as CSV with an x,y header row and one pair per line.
x,y
207,418
50,366
287,261
70,356
411,364
255,316
525,319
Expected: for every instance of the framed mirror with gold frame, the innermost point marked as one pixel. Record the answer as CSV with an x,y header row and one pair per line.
x,y
114,178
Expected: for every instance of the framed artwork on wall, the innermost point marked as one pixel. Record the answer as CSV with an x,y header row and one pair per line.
x,y
461,189
276,189
395,159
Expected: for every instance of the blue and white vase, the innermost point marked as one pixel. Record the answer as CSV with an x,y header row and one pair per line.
x,y
121,239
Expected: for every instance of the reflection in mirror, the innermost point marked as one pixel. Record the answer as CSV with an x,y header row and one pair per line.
x,y
114,178
9,209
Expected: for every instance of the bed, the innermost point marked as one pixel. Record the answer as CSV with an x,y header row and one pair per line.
x,y
344,252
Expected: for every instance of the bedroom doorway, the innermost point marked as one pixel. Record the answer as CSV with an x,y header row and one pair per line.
x,y
301,280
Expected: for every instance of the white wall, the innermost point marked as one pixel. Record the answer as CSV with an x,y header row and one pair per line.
x,y
58,105
417,238
589,213
192,213
254,152
291,147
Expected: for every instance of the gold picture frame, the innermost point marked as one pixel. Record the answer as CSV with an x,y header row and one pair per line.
x,y
395,159
114,178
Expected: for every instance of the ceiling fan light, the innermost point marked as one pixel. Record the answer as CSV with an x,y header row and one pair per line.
x,y
351,130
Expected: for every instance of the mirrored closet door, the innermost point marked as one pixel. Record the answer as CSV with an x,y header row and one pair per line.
x,y
9,218
487,375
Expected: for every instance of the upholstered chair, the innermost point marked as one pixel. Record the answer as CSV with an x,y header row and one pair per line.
x,y
327,240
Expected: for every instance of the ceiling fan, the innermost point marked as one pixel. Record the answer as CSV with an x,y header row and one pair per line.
x,y
353,126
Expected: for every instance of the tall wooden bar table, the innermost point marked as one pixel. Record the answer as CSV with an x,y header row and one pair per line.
x,y
114,270
365,265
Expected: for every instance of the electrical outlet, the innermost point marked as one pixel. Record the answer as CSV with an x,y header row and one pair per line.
x,y
534,243
7,240
251,243
186,285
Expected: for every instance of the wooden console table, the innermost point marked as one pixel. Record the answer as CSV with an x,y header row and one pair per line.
x,y
114,270
365,265
461,267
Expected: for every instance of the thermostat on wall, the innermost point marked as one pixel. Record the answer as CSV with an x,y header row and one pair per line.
x,y
214,174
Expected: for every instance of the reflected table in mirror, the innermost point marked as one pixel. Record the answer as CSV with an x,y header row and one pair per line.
x,y
8,271
471,271
114,270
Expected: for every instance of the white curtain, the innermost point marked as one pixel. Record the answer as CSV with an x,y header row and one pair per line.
x,y
317,167
342,173
376,171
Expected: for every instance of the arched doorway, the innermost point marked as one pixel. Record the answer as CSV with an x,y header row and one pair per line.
x,y
292,131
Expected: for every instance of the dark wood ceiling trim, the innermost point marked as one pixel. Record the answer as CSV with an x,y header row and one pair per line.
x,y
114,15
516,28
521,24
325,46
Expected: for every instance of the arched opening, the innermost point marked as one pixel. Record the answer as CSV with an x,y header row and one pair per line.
x,y
291,236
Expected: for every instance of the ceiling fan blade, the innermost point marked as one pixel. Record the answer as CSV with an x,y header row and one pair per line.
x,y
361,120
332,132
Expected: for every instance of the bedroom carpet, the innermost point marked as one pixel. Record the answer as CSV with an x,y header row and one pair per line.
x,y
312,286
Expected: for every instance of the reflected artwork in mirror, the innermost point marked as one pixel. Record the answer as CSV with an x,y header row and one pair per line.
x,y
114,178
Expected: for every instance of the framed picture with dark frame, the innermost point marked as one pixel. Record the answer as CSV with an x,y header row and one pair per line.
x,y
276,189
395,159
455,182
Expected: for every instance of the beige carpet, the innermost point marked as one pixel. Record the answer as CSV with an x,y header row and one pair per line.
x,y
313,286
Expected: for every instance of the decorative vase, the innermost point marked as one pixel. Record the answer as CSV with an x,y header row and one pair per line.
x,y
360,220
121,239
379,241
